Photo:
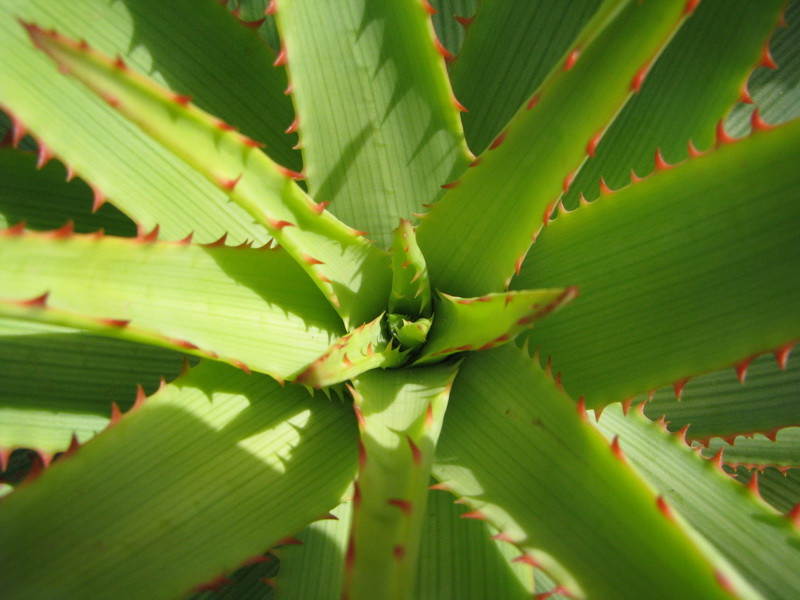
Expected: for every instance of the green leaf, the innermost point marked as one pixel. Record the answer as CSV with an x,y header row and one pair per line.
x,y
182,296
137,174
349,271
400,416
686,272
727,514
508,50
379,160
719,405
481,323
689,90
58,382
561,493
210,471
44,201
515,184
411,287
449,29
783,451
779,487
365,348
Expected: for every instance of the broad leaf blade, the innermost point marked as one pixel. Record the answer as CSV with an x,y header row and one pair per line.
x,y
379,129
210,471
253,308
731,517
58,382
517,181
551,483
107,151
349,271
689,271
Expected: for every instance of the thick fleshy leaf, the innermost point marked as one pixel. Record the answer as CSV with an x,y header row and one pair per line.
x,y
760,451
720,405
516,183
481,323
411,287
758,542
58,382
508,50
689,90
365,348
517,451
253,308
376,160
350,272
689,271
43,200
215,468
137,174
400,414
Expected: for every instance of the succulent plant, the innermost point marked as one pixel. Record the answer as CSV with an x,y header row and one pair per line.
x,y
422,286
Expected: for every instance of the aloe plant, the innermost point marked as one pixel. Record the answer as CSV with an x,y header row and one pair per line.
x,y
395,258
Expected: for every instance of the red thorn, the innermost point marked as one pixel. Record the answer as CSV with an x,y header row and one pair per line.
x,y
182,99
140,397
626,406
722,135
661,164
465,21
15,230
528,560
794,515
752,485
293,127
556,590
572,58
475,514
116,414
217,243
678,387
356,495
592,145
615,449
597,412
518,264
741,368
757,123
280,224
568,181
716,460
290,174
475,162
503,537
228,184
281,58
581,408
444,52
440,486
458,106
362,423
532,102
71,449
725,583
782,355
744,94
690,6
399,551
451,185
403,505
271,7
185,344
98,199
311,260
45,155
681,433
119,323
693,151
187,240
428,8
225,126
604,189
638,79
663,507
289,89
119,63
548,212
65,231
362,455
320,207
240,365
498,140
147,238
18,131
38,302
766,58
416,453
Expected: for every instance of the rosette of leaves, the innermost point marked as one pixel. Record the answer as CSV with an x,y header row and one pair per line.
x,y
405,247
